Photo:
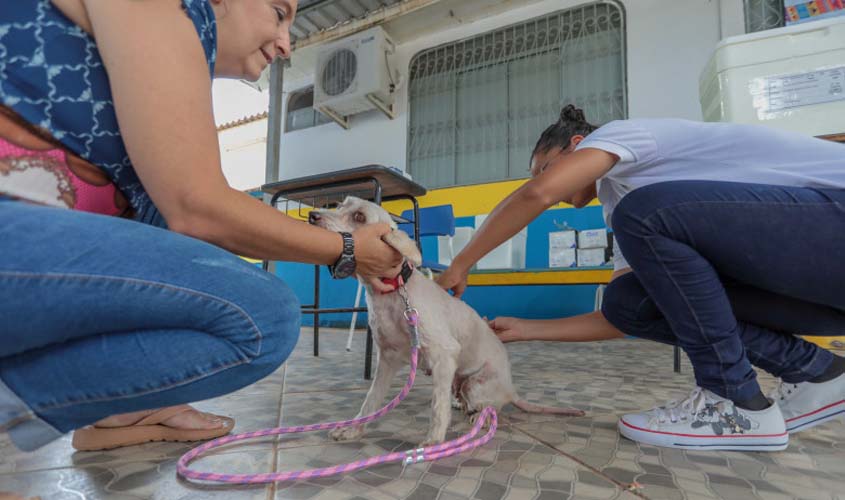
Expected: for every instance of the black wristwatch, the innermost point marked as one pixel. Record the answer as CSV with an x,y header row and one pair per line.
x,y
344,267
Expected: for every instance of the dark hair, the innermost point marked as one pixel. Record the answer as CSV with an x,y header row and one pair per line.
x,y
572,122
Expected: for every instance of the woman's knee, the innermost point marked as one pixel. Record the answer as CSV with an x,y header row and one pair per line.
x,y
626,304
261,321
278,312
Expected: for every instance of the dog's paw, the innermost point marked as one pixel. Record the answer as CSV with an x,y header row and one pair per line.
x,y
347,433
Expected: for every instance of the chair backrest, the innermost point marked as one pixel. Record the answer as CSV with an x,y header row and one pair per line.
x,y
438,220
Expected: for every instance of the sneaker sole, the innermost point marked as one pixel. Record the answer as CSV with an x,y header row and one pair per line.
x,y
732,442
816,417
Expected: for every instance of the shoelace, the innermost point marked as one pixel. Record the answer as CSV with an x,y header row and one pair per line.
x,y
675,410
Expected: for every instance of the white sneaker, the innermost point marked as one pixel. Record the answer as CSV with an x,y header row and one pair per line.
x,y
807,405
707,421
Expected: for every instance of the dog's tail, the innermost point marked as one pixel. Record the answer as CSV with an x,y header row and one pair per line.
x,y
532,408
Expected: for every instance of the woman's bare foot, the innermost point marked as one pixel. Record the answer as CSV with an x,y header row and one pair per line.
x,y
192,419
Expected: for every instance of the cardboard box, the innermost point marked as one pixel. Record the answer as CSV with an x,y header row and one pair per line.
x,y
562,257
563,239
592,238
592,257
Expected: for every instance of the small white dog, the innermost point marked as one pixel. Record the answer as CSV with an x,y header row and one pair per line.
x,y
457,347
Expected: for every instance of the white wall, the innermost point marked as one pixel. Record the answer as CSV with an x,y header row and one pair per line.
x,y
243,149
668,44
234,99
243,152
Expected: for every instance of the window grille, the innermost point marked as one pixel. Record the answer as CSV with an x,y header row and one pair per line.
x,y
763,14
478,106
301,113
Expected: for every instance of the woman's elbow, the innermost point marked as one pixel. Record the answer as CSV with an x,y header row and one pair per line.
x,y
192,219
536,194
190,225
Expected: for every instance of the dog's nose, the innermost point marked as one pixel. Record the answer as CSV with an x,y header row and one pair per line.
x,y
313,217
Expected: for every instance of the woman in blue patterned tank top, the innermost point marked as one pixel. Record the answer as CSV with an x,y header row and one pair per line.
x,y
110,325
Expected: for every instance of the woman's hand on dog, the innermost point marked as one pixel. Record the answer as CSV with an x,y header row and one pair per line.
x,y
507,329
453,279
375,259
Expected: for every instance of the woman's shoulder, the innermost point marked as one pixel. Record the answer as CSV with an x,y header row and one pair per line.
x,y
200,9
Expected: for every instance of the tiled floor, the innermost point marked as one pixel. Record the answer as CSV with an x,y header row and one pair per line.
x,y
531,457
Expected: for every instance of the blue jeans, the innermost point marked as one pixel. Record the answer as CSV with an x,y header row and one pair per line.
x,y
730,272
100,316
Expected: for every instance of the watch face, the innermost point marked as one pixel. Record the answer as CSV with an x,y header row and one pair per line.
x,y
344,268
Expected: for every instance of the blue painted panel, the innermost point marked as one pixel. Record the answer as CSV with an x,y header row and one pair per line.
x,y
536,302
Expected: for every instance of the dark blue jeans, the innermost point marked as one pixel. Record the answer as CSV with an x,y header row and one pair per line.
x,y
730,272
100,316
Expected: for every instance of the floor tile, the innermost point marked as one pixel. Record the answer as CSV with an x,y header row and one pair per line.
x,y
531,457
812,467
254,407
512,465
138,480
335,368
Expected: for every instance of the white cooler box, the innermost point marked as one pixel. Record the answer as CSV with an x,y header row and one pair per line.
x,y
791,78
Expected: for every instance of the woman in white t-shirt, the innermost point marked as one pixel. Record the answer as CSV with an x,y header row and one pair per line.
x,y
729,231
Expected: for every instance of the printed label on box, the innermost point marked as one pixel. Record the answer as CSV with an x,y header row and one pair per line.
x,y
799,11
562,257
592,257
776,93
562,239
592,238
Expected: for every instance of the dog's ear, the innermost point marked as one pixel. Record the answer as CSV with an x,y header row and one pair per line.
x,y
403,244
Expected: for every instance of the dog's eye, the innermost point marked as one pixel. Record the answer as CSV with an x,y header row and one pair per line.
x,y
360,217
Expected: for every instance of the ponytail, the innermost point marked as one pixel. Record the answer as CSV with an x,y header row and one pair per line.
x,y
572,122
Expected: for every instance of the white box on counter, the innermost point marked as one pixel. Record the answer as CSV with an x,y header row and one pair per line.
x,y
563,239
592,257
508,255
592,238
562,257
444,250
450,246
461,238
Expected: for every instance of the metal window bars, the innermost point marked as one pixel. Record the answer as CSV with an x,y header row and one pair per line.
x,y
763,14
478,105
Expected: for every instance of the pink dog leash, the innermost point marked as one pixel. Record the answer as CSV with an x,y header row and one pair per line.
x,y
428,453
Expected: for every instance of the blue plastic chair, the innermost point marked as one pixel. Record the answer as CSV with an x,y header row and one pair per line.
x,y
434,221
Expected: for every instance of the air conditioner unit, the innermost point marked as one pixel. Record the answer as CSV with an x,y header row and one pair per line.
x,y
354,75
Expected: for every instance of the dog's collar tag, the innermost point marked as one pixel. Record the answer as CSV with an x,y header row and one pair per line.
x,y
412,316
398,281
